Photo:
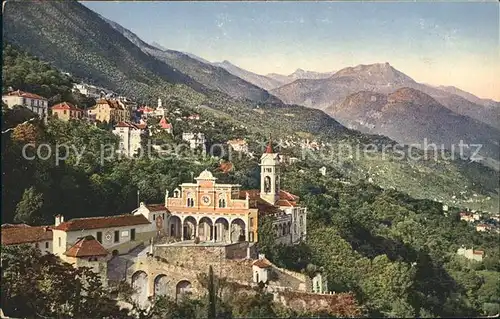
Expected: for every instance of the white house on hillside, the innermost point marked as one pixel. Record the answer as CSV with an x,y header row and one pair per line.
x,y
194,139
239,145
130,137
36,103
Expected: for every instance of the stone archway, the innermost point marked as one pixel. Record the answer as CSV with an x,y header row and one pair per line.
x,y
161,285
238,230
205,229
189,228
182,288
221,233
140,286
174,227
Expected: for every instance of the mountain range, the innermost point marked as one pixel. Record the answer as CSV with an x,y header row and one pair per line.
x,y
207,74
273,80
75,39
382,78
411,116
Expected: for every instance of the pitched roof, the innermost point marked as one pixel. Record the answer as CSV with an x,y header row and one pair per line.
x,y
131,125
145,109
164,124
66,106
288,196
102,222
478,252
15,235
14,225
237,141
269,147
286,199
86,247
156,207
284,202
263,207
114,104
262,263
226,167
26,95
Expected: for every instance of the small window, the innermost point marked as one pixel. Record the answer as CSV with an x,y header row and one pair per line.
x,y
65,112
132,234
99,237
117,236
163,216
154,217
46,245
59,240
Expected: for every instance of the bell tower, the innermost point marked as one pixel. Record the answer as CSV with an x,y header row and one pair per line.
x,y
269,175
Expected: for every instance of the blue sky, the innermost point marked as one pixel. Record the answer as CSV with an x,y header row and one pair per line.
x,y
437,43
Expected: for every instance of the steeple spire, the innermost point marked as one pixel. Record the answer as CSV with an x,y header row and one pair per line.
x,y
269,148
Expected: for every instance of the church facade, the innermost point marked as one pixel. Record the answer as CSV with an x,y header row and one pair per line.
x,y
207,211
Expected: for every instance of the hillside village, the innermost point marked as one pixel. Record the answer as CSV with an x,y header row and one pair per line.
x,y
142,182
217,222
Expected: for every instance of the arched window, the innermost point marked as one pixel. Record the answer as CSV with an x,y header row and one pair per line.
x,y
190,200
222,203
267,184
222,200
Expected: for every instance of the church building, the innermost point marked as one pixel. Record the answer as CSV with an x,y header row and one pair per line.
x,y
223,213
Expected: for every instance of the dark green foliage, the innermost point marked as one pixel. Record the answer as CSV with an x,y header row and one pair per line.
x,y
43,286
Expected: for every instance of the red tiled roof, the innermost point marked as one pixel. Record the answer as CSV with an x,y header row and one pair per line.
x,y
288,196
263,207
478,252
131,125
284,202
164,124
226,167
66,106
156,207
102,222
26,94
237,141
86,247
14,225
22,234
145,109
111,103
262,263
269,147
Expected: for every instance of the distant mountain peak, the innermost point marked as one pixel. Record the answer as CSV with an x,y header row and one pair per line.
x,y
158,46
407,94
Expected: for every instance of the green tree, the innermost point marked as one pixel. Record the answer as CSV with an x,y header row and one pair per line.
x,y
36,285
28,210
